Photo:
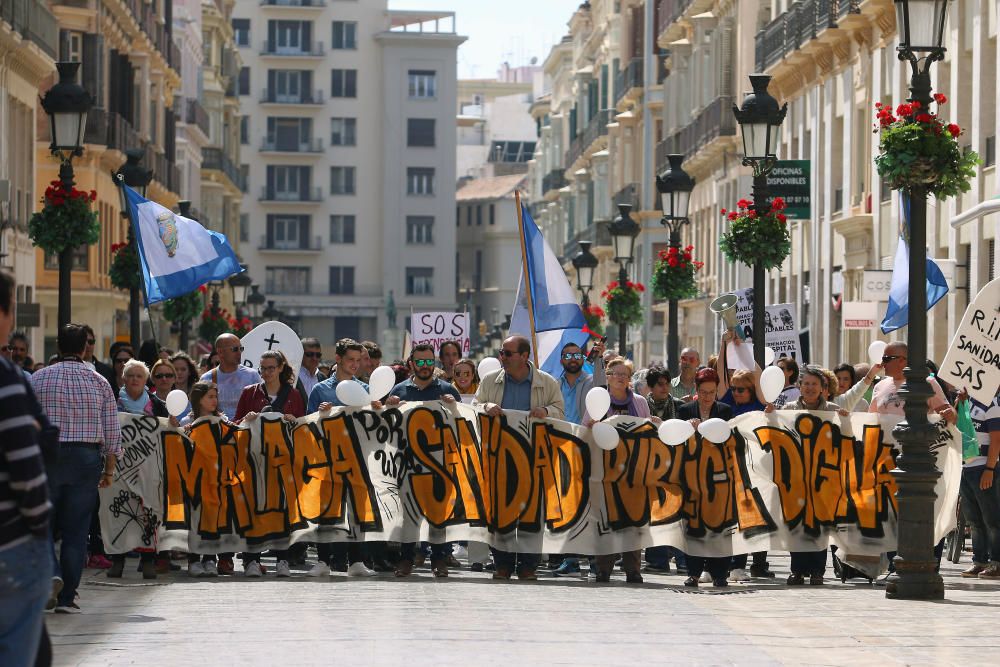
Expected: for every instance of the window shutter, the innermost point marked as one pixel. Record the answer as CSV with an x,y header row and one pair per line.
x,y
304,182
304,231
270,223
307,36
272,31
93,67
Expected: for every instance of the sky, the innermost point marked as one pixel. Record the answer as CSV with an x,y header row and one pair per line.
x,y
511,30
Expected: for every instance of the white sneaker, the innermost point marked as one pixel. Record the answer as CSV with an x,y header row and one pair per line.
x,y
282,569
739,576
359,570
460,552
196,569
320,569
252,570
211,569
706,578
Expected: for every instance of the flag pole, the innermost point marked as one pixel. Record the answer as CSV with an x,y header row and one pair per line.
x,y
133,228
526,278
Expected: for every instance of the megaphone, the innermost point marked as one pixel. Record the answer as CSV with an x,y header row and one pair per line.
x,y
725,307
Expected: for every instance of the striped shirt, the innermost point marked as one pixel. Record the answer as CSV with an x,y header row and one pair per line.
x,y
24,495
80,402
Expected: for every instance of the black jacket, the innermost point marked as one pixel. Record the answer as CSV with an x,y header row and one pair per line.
x,y
691,411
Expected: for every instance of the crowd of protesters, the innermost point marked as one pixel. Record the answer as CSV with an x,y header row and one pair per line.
x,y
60,438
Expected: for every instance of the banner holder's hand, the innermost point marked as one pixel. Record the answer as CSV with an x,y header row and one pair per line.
x,y
448,399
492,410
325,406
539,413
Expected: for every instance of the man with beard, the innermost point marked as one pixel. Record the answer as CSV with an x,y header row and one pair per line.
x,y
423,386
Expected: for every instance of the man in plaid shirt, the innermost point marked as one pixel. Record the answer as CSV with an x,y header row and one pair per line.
x,y
80,402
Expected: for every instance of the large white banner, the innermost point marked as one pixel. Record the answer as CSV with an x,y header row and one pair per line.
x,y
781,332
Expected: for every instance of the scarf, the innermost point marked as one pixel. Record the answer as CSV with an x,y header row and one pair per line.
x,y
136,406
626,408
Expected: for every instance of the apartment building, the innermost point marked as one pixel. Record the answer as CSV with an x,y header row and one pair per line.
x,y
349,140
29,42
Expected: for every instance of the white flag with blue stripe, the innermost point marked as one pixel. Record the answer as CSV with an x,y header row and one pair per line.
x,y
177,255
557,317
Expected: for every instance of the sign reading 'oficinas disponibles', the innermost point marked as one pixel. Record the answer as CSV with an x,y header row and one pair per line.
x,y
790,180
973,359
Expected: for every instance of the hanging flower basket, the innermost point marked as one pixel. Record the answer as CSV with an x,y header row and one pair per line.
x,y
673,274
184,308
214,323
753,239
594,316
623,302
66,219
918,149
241,327
124,270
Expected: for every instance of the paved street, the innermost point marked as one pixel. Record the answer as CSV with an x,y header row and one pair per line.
x,y
469,618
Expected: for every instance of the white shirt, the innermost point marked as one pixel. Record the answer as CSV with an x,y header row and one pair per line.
x,y
308,380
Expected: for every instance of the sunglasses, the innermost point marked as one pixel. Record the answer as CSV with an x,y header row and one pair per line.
x,y
162,376
573,355
420,363
507,353
313,355
268,368
739,390
235,348
122,360
886,358
91,341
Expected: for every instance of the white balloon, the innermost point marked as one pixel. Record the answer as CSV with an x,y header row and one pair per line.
x,y
875,351
598,402
605,435
352,394
772,382
381,382
487,366
675,431
177,402
768,356
715,430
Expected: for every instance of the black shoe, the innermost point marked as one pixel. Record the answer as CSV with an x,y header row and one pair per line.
x,y
116,569
761,571
633,578
476,567
816,580
691,582
148,569
720,583
657,569
796,580
603,577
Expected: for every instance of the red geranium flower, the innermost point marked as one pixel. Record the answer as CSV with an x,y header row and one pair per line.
x,y
954,130
732,215
778,204
904,110
924,118
940,98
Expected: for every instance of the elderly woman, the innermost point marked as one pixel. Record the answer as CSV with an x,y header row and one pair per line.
x,y
466,377
133,397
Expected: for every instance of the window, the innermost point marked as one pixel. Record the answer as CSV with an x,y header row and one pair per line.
x,y
493,214
81,259
288,134
420,281
345,35
344,83
244,228
244,177
288,183
479,215
243,86
341,280
423,83
419,229
419,181
287,232
341,229
286,280
289,37
347,327
477,275
289,86
458,216
990,152
341,180
343,131
244,130
241,32
420,132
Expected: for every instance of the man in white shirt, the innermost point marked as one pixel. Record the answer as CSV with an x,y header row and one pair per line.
x,y
309,375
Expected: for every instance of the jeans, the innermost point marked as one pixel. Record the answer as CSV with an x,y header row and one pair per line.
x,y
809,563
660,556
506,560
439,552
73,492
25,584
982,511
339,552
717,566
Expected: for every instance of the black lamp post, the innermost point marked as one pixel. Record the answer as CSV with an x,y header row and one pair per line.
x,y
760,120
138,178
585,263
271,313
255,300
675,188
66,104
921,35
240,284
623,232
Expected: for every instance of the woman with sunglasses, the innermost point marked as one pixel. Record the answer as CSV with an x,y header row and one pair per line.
x,y
118,361
466,377
163,376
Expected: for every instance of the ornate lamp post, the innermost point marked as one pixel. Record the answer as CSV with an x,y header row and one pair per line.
x,y
675,188
623,232
760,120
255,301
240,284
138,178
921,34
67,105
585,263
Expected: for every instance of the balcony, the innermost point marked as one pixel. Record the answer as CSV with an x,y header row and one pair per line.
x,y
34,21
195,114
164,170
554,180
120,134
597,233
627,195
214,158
301,196
597,127
303,98
145,14
307,4
628,80
304,244
669,11
714,121
271,145
314,50
804,21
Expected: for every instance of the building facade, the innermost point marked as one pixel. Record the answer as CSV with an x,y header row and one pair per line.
x,y
349,137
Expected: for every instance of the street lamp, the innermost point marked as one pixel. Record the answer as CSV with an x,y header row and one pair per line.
x,y
760,120
255,300
240,284
66,104
675,188
623,232
271,313
921,35
585,263
138,178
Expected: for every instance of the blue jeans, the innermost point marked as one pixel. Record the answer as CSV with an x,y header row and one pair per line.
x,y
73,492
982,510
505,560
25,584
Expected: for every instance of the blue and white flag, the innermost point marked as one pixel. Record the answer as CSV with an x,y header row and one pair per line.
x,y
558,317
897,314
177,255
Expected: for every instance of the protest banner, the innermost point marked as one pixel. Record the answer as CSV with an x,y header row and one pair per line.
x,y
973,358
426,471
780,331
436,328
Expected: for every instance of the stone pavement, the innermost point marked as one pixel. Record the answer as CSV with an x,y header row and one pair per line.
x,y
468,619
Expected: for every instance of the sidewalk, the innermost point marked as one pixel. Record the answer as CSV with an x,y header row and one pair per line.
x,y
468,618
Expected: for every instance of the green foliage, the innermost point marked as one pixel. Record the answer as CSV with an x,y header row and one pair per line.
x,y
673,274
753,239
623,302
65,221
124,270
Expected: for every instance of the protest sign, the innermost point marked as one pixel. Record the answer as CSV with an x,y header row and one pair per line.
x,y
272,336
780,331
429,471
973,358
436,328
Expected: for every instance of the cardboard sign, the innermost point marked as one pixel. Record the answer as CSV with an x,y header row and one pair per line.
x,y
973,359
859,315
272,336
780,331
436,328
